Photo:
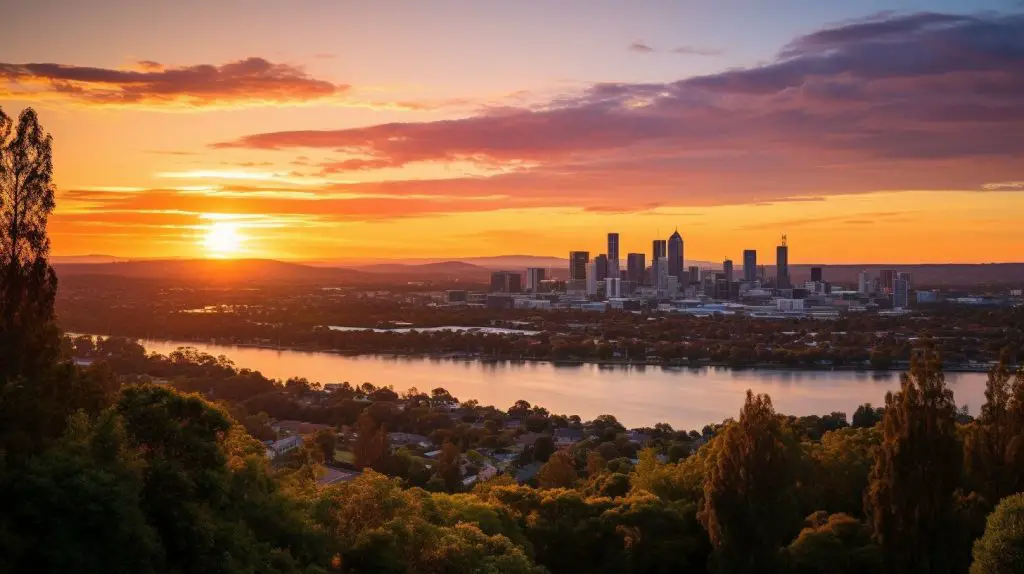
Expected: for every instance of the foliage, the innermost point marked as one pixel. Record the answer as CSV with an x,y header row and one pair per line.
x,y
916,470
836,544
558,472
1001,549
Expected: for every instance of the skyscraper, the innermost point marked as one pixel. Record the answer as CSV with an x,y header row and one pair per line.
x,y
727,270
694,274
816,274
864,283
750,265
661,275
658,252
592,277
782,265
613,254
578,270
534,275
887,280
901,292
506,282
602,264
635,265
675,255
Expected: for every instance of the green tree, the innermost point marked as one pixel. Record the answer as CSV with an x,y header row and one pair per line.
x,y
988,439
750,506
558,472
327,441
543,448
448,467
29,341
370,447
1001,549
836,544
916,470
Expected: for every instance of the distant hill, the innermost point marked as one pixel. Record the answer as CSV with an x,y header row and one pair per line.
x,y
209,270
923,275
56,259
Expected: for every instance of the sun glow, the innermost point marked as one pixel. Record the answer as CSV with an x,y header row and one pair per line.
x,y
223,239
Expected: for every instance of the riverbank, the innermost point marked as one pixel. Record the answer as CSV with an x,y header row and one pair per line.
x,y
896,366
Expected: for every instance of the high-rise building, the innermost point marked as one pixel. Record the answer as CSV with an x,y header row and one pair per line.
x,y
727,270
694,274
750,265
675,255
906,276
661,273
658,252
602,267
887,280
613,287
635,265
901,293
578,270
506,282
534,275
613,255
816,274
782,265
592,280
864,283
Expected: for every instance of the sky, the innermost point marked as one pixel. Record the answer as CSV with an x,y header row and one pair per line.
x,y
347,130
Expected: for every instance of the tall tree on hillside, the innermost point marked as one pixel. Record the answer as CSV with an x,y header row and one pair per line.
x,y
750,507
28,335
371,444
987,440
916,470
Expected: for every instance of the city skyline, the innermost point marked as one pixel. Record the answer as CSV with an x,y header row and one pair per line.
x,y
345,131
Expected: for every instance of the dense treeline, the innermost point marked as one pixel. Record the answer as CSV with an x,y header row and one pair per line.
x,y
100,476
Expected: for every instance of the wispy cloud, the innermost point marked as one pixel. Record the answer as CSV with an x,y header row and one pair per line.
x,y
696,51
640,48
248,82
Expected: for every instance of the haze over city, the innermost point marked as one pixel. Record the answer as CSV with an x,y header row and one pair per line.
x,y
867,132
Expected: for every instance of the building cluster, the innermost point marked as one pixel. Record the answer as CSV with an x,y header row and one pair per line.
x,y
665,281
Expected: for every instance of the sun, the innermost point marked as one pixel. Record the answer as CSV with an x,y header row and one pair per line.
x,y
223,239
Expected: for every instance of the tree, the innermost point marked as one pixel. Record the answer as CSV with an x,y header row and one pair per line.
x,y
750,505
558,472
543,448
448,468
916,470
371,444
836,544
987,440
29,340
866,416
327,441
1001,549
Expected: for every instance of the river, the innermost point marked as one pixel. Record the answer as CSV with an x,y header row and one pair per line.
x,y
636,395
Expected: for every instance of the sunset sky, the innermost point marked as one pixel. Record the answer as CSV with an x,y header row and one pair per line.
x,y
337,130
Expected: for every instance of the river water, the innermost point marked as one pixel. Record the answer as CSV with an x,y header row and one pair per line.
x,y
636,395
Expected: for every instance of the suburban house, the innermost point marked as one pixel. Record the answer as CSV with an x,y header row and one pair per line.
x,y
285,445
400,439
567,437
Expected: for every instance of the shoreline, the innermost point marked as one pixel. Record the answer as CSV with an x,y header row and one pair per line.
x,y
898,367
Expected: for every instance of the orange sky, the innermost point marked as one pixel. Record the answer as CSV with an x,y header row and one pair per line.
x,y
886,138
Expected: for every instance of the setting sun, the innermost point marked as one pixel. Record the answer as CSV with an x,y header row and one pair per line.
x,y
223,239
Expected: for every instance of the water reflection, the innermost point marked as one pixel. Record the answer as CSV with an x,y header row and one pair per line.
x,y
638,395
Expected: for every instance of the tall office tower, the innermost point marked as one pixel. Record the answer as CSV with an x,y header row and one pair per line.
x,y
613,287
601,265
901,293
694,274
750,265
534,275
506,282
864,283
578,270
675,255
887,280
613,254
727,270
635,265
816,274
661,275
782,266
906,276
592,280
658,252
